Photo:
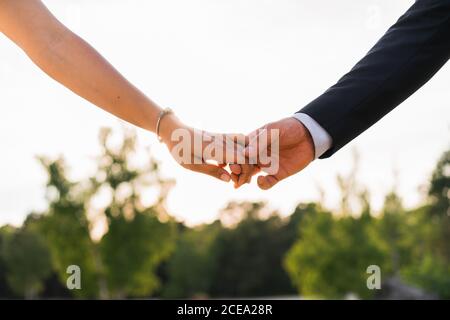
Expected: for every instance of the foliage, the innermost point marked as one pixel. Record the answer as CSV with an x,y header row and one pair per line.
x,y
191,266
331,257
27,261
429,267
332,252
66,228
248,257
127,248
136,239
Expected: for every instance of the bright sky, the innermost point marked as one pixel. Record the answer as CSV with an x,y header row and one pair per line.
x,y
222,65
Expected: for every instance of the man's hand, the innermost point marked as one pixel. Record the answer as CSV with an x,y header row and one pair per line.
x,y
296,150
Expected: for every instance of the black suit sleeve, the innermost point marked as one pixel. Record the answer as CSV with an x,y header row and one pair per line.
x,y
403,60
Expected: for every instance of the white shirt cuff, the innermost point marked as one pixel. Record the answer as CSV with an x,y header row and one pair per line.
x,y
322,140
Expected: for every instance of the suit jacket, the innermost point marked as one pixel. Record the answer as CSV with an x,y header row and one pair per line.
x,y
403,60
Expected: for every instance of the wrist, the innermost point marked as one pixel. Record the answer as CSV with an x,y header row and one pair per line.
x,y
319,137
168,124
309,142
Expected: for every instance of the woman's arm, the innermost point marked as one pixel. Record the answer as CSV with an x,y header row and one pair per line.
x,y
74,63
71,61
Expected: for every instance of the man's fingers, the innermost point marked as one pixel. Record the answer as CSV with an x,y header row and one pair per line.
x,y
268,181
246,176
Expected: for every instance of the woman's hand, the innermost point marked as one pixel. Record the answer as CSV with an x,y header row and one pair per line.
x,y
205,152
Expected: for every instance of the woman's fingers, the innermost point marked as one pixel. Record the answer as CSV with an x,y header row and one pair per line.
x,y
217,151
235,172
234,178
211,170
245,176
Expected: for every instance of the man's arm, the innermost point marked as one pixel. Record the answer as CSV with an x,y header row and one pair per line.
x,y
403,60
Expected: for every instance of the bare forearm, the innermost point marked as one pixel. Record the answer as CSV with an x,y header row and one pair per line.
x,y
75,64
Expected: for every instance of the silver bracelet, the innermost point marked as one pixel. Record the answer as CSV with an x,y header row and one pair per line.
x,y
162,114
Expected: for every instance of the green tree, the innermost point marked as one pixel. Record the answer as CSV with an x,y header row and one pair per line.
x,y
439,210
331,257
430,245
440,186
136,237
192,264
5,290
139,237
66,228
206,253
391,231
27,261
248,256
